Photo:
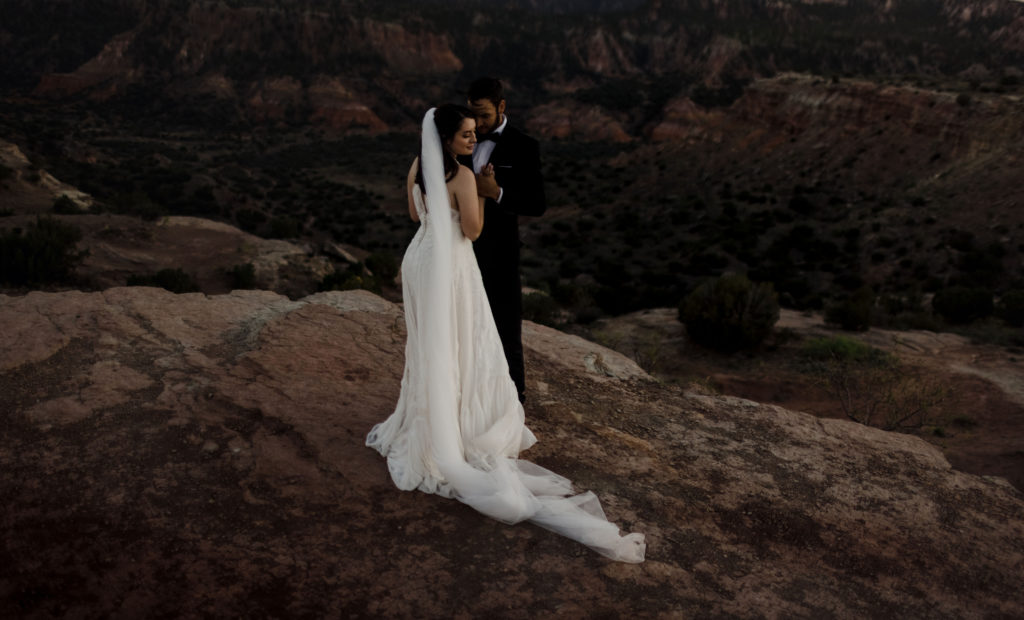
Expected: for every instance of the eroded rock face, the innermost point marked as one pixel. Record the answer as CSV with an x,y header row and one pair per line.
x,y
568,119
33,190
195,455
121,246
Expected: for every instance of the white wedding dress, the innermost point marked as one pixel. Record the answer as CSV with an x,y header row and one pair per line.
x,y
458,427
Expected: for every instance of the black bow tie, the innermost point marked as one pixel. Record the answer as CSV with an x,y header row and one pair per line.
x,y
493,137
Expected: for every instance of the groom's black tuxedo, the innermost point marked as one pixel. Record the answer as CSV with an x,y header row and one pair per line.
x,y
516,161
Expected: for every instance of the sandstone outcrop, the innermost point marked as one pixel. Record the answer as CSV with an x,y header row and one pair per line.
x,y
337,107
108,71
569,119
203,456
29,189
119,246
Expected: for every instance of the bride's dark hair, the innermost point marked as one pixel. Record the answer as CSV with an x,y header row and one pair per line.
x,y
448,119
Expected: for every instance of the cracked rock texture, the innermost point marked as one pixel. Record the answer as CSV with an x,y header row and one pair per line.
x,y
202,456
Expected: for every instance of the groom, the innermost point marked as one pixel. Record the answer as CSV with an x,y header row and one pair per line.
x,y
516,188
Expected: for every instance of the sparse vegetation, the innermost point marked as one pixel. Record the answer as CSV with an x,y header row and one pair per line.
x,y
383,265
730,313
961,304
174,280
354,277
873,387
844,350
541,308
853,313
242,276
65,206
1011,308
45,252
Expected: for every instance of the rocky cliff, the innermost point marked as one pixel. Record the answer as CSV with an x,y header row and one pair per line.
x,y
270,60
192,455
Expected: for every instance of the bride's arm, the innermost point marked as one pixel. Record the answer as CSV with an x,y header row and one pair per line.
x,y
470,205
410,181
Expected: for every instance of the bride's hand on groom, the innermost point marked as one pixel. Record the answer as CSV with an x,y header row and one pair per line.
x,y
486,184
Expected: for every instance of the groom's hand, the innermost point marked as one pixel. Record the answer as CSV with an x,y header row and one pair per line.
x,y
486,184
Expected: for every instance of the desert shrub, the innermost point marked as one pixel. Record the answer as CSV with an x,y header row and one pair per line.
x,y
540,308
250,220
800,204
173,280
242,276
65,206
284,228
905,311
1011,308
982,265
871,386
44,252
844,350
854,312
708,262
354,277
615,300
137,203
961,304
730,313
383,265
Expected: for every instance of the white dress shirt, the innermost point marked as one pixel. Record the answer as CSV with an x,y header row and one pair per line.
x,y
482,152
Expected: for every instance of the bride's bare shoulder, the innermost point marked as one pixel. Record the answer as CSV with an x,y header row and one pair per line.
x,y
464,175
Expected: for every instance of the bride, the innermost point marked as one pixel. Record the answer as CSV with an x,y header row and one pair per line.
x,y
458,427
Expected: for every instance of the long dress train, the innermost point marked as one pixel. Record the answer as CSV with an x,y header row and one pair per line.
x,y
457,432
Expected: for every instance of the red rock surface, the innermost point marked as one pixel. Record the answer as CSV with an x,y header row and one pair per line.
x,y
188,455
569,119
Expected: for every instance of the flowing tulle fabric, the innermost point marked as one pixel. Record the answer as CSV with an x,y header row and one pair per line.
x,y
458,427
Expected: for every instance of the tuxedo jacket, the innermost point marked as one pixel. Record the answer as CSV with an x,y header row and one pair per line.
x,y
516,161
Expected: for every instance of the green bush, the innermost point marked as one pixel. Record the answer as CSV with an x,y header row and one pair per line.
x,y
250,220
844,350
284,228
355,277
961,304
1011,308
853,313
45,252
540,308
730,313
137,203
242,276
174,280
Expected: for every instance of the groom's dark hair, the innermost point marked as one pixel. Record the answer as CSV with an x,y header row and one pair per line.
x,y
486,88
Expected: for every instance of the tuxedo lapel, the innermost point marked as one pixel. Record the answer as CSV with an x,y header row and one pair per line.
x,y
504,148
